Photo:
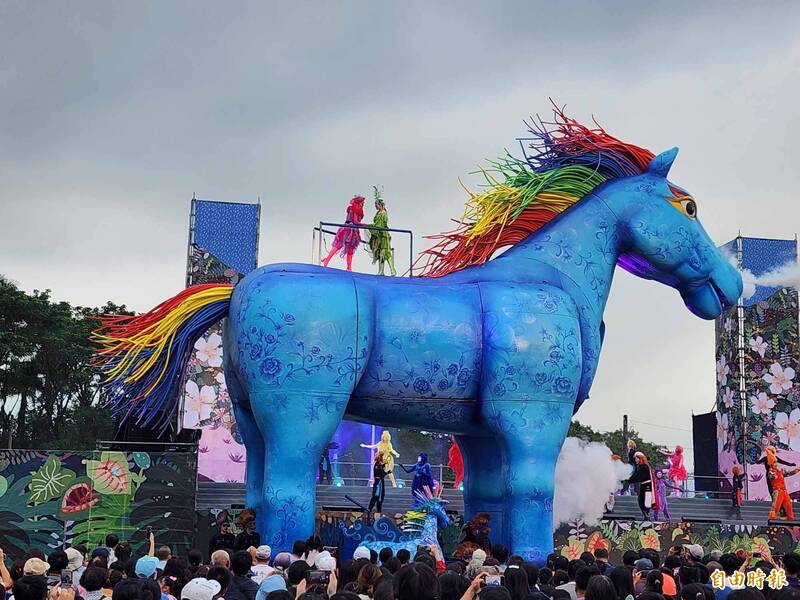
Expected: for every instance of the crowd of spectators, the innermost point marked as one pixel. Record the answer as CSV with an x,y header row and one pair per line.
x,y
312,572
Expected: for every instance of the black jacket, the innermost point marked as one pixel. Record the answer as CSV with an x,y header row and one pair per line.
x,y
241,588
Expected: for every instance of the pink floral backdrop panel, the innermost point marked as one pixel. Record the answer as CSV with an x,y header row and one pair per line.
x,y
772,409
207,406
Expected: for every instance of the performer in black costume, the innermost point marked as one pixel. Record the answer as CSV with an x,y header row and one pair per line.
x,y
325,465
378,483
643,475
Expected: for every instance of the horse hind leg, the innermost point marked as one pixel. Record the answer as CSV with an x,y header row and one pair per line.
x,y
296,426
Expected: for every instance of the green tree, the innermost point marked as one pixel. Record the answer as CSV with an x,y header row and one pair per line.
x,y
48,393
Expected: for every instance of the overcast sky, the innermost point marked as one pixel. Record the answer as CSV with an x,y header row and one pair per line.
x,y
112,114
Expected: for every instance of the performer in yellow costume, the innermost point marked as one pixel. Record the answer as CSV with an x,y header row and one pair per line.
x,y
389,454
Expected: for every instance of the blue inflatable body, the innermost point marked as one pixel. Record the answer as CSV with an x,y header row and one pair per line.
x,y
500,354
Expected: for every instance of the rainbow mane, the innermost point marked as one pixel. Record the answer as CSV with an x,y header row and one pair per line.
x,y
140,358
562,162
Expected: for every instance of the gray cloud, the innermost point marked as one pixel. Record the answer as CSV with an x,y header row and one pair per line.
x,y
113,114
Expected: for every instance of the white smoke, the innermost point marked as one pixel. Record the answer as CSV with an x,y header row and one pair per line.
x,y
586,476
787,275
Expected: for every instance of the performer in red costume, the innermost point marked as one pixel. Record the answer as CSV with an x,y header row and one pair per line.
x,y
348,239
677,471
456,462
781,502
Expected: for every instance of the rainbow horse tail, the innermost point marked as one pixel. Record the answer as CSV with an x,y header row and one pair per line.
x,y
141,359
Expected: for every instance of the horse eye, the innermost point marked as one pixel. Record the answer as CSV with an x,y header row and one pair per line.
x,y
690,208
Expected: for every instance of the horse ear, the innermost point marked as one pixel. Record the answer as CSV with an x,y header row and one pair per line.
x,y
661,164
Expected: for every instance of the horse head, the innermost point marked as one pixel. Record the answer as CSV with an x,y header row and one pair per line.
x,y
663,240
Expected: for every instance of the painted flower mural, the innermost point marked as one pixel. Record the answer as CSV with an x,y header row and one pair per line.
x,y
619,536
758,345
722,430
769,375
723,370
207,406
728,397
788,427
209,350
779,379
761,404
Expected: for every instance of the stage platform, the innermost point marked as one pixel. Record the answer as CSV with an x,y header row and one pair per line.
x,y
329,497
332,498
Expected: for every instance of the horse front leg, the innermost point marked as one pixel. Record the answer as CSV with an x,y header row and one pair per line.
x,y
532,370
531,434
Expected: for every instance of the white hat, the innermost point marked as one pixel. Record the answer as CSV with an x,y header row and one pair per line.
x,y
75,559
200,589
325,562
361,552
694,550
263,552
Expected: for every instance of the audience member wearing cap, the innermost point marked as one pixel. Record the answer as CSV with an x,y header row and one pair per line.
x,y
261,567
35,566
146,567
325,561
361,552
75,564
271,583
282,561
643,564
200,589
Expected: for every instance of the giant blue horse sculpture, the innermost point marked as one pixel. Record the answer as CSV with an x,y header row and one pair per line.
x,y
499,352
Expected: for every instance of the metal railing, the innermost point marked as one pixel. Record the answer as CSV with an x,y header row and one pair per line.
x,y
360,474
323,224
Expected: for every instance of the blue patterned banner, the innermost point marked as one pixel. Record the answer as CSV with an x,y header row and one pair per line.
x,y
229,231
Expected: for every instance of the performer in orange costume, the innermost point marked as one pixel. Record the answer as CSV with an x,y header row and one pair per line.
x,y
781,502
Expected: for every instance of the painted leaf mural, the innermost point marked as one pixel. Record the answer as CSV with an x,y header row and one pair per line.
x,y
49,481
110,474
51,498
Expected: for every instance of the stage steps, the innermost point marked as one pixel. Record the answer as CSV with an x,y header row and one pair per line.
x,y
753,512
212,495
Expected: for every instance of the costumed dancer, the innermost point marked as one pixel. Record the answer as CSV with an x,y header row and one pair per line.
x,y
325,465
456,462
643,475
423,478
771,457
378,483
348,239
475,535
380,241
609,505
736,496
629,489
662,482
385,448
781,501
677,471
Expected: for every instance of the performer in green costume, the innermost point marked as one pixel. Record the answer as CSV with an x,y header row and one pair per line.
x,y
380,241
